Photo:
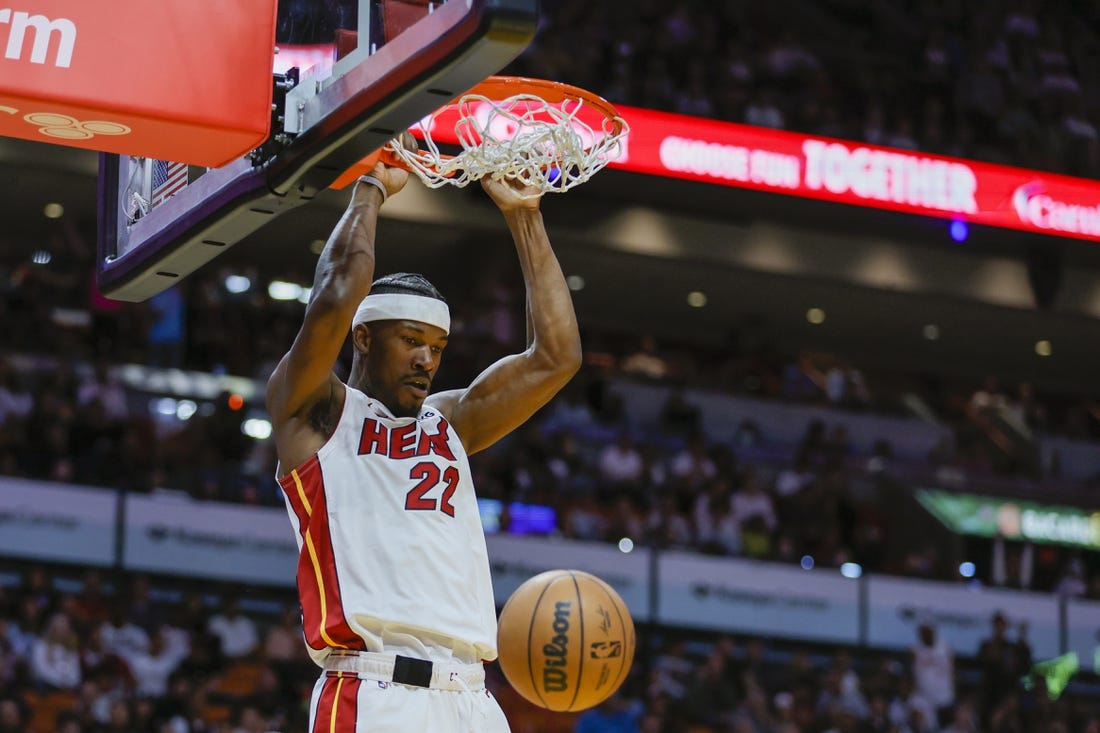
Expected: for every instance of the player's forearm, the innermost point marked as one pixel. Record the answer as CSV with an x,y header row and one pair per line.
x,y
345,268
553,334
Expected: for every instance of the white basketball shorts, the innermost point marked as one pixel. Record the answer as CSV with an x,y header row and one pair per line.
x,y
346,703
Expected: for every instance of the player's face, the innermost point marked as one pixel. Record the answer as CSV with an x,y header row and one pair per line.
x,y
402,362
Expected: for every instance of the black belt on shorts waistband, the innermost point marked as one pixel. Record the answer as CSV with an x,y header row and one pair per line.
x,y
411,671
407,671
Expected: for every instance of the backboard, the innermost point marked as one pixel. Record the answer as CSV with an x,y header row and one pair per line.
x,y
73,74
427,54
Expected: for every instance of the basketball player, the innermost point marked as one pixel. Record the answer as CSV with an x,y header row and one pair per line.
x,y
393,574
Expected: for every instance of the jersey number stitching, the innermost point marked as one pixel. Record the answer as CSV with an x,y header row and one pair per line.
x,y
429,476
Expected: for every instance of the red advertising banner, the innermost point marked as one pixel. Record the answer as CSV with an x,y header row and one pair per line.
x,y
730,154
179,80
856,173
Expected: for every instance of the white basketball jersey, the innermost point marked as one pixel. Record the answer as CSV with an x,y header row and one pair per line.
x,y
391,542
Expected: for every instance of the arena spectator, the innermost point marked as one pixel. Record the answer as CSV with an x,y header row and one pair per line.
x,y
671,671
841,703
710,692
620,464
585,520
569,411
764,111
18,632
566,464
91,606
13,715
933,670
249,719
691,466
283,640
667,526
122,636
747,436
121,718
646,361
38,593
625,519
55,657
1004,662
104,387
909,710
965,720
68,721
153,668
1073,582
793,478
753,713
751,502
717,530
16,401
236,632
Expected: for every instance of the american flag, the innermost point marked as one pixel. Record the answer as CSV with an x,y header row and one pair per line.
x,y
168,178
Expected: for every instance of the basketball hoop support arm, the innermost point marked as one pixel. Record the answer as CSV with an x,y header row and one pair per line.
x,y
348,117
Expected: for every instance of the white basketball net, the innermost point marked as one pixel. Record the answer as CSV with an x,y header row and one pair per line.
x,y
523,138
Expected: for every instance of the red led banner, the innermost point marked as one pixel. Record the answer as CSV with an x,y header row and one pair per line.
x,y
855,173
730,154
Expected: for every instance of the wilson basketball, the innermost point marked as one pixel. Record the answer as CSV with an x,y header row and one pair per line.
x,y
566,640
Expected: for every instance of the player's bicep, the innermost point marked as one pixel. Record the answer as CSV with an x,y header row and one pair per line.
x,y
502,398
304,374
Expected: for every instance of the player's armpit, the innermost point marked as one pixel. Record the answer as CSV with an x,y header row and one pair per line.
x,y
505,396
299,435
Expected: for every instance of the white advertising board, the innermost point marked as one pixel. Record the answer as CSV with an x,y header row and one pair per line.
x,y
962,614
53,522
180,536
768,599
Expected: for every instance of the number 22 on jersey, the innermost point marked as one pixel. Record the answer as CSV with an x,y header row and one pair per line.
x,y
428,475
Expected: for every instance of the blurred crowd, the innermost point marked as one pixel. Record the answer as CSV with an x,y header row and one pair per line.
x,y
1011,82
66,415
118,654
97,652
725,685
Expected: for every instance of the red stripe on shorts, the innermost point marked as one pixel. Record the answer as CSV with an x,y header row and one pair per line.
x,y
338,706
323,714
347,701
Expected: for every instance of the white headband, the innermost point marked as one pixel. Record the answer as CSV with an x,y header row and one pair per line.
x,y
401,306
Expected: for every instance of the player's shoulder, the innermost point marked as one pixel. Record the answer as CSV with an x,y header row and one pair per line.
x,y
442,403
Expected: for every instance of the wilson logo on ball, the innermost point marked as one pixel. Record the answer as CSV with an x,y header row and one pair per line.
x,y
605,649
554,676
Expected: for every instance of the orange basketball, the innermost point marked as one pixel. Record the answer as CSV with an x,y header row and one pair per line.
x,y
566,640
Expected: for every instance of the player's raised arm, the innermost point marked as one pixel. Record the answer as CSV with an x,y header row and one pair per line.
x,y
514,388
304,377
